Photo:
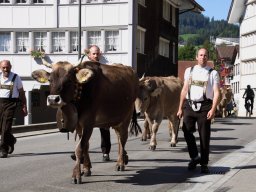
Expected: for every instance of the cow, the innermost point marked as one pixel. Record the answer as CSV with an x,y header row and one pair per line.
x,y
226,97
88,95
159,98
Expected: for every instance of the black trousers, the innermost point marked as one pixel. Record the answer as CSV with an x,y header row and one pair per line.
x,y
190,119
105,140
7,110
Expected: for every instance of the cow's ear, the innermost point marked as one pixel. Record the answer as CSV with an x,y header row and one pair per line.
x,y
84,75
41,75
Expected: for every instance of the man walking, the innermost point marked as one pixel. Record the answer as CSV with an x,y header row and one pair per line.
x,y
11,90
198,101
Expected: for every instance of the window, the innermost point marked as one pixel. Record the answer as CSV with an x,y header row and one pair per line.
x,y
166,10
58,41
21,1
74,41
163,47
38,1
5,38
173,53
111,40
22,42
4,1
140,40
40,39
94,38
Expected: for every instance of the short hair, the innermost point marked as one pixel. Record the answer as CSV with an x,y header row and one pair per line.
x,y
200,49
87,51
7,61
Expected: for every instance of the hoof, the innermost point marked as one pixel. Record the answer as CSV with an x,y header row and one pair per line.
x,y
126,159
86,173
152,148
120,168
143,139
173,144
77,181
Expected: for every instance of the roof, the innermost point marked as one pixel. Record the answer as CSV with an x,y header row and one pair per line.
x,y
189,5
183,65
227,53
236,11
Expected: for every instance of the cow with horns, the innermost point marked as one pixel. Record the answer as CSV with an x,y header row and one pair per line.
x,y
90,95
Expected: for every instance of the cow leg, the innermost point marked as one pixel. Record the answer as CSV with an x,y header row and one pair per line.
x,y
82,151
173,130
122,135
153,143
146,132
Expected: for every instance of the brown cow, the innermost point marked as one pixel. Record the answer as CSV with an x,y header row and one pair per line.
x,y
159,98
92,95
226,97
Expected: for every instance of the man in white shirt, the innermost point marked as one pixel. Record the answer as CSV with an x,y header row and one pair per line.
x,y
198,101
11,91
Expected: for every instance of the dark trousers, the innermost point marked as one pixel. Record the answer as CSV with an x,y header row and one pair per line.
x,y
105,140
7,110
190,119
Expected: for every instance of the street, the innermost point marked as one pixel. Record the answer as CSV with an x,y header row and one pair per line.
x,y
43,163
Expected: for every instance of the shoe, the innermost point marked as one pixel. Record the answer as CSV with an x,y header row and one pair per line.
x,y
106,157
4,154
205,169
11,147
193,163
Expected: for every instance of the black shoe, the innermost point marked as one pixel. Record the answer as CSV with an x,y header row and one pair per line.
x,y
205,169
193,163
106,157
3,154
11,147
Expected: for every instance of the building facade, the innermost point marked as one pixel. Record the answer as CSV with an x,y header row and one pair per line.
x,y
138,33
243,12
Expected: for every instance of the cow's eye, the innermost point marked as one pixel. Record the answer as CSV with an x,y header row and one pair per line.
x,y
145,99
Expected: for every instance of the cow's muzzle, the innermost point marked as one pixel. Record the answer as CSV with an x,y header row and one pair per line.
x,y
54,101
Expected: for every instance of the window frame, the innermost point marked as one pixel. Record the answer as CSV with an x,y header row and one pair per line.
x,y
8,44
61,48
140,40
22,37
164,47
115,46
41,39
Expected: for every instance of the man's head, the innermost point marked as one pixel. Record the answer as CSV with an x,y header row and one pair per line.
x,y
202,56
94,53
248,86
6,67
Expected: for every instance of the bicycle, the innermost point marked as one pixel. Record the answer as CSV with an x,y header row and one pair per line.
x,y
248,107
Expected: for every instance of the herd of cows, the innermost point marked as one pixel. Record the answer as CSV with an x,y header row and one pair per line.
x,y
89,94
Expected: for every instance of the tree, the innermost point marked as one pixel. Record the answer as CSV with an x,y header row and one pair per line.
x,y
187,52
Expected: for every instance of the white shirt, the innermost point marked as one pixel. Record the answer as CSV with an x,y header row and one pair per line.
x,y
202,74
4,93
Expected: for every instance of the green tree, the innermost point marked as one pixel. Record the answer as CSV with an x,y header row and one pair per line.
x,y
187,52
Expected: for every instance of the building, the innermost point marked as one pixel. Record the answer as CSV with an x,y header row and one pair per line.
x,y
139,33
243,12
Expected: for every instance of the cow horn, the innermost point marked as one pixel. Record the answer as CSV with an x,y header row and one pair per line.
x,y
79,61
143,77
46,63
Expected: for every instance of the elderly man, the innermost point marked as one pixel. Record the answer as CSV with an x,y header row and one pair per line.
x,y
11,90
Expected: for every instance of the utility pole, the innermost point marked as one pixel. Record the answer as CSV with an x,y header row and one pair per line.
x,y
79,30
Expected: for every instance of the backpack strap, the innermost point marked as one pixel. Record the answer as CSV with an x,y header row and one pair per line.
x,y
204,84
12,82
190,82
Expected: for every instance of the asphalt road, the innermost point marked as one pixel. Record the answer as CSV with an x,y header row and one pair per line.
x,y
43,163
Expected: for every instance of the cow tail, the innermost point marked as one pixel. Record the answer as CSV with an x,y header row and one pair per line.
x,y
134,126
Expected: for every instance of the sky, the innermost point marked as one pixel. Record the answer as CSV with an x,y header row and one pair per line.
x,y
215,8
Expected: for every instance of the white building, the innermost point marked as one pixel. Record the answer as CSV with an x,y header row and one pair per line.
x,y
243,12
121,28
